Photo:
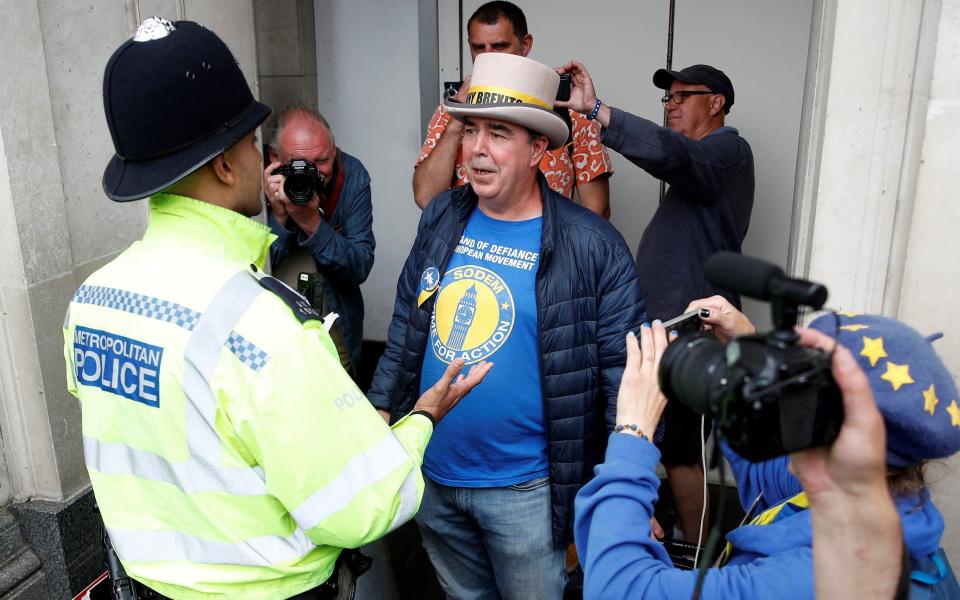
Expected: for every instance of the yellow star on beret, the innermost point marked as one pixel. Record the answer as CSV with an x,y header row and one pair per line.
x,y
898,375
847,313
855,327
873,349
954,411
930,399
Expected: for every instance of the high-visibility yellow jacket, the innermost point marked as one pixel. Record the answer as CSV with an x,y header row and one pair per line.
x,y
230,454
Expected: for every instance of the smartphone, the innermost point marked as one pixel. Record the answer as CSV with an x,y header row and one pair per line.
x,y
684,324
450,89
681,552
563,92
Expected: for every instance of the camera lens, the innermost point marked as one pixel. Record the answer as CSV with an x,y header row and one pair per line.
x,y
299,188
691,370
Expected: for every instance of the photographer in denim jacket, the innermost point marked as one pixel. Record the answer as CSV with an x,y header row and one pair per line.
x,y
331,234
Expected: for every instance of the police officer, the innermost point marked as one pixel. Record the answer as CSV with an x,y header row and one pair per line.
x,y
230,454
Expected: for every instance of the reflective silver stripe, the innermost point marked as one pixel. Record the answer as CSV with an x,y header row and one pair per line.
x,y
163,310
120,459
202,355
142,546
362,471
408,500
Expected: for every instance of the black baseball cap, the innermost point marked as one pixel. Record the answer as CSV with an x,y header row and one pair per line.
x,y
713,78
174,98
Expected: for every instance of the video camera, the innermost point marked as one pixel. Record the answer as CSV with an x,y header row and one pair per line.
x,y
768,395
302,180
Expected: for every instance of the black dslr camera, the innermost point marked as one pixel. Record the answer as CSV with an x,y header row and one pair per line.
x,y
768,395
302,180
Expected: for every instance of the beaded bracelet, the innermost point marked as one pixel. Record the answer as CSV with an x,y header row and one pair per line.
x,y
593,113
631,428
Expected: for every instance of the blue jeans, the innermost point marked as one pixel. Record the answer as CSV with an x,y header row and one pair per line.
x,y
493,542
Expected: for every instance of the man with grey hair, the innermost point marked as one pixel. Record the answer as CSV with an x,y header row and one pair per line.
x,y
325,241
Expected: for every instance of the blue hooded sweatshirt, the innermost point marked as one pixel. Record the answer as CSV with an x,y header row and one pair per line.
x,y
621,560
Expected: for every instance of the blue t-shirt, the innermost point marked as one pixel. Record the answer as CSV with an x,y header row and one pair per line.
x,y
486,308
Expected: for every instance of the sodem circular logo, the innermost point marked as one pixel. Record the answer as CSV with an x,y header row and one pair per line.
x,y
473,316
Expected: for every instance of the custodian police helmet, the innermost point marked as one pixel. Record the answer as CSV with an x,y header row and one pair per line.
x,y
174,98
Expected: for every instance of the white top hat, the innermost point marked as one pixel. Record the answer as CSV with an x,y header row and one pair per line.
x,y
515,89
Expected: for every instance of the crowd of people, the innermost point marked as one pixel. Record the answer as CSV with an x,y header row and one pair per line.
x,y
232,453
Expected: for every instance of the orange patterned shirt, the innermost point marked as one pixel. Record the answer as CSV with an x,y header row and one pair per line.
x,y
590,158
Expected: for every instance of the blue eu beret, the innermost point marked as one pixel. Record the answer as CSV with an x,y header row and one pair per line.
x,y
914,391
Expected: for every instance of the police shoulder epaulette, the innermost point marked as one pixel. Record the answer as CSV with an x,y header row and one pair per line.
x,y
298,304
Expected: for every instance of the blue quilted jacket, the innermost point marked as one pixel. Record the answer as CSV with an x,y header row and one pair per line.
x,y
588,298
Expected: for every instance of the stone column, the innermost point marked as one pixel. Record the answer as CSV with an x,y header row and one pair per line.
x,y
929,283
286,55
876,215
865,88
57,227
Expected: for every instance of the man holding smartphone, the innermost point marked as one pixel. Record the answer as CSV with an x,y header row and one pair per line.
x,y
709,169
581,165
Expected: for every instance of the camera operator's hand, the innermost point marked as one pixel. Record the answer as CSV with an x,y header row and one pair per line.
x,y
455,127
461,95
656,530
722,318
857,538
583,97
451,388
640,400
273,189
855,465
306,216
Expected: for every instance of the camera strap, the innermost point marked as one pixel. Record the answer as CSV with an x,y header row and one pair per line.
x,y
331,195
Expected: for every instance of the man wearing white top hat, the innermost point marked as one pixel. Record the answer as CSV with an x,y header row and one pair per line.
x,y
507,270
580,168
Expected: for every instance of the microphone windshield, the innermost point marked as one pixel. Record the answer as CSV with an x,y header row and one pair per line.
x,y
741,274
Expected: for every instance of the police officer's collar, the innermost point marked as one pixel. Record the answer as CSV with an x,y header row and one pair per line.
x,y
241,237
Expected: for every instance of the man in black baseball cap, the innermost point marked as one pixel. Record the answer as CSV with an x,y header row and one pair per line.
x,y
709,170
715,81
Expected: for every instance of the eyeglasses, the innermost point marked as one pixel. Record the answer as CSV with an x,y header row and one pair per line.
x,y
678,97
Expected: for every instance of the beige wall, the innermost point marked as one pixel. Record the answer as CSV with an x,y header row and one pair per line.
x,y
286,55
370,93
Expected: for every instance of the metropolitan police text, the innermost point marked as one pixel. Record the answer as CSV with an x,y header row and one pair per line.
x,y
117,364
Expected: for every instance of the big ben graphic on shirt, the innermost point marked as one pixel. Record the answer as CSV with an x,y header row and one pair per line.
x,y
463,319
